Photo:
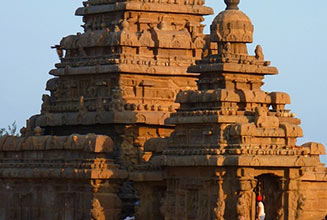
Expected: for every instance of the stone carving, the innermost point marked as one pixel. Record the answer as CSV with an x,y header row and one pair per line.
x,y
242,205
97,210
263,120
186,115
138,44
300,206
280,214
71,44
258,53
219,211
88,143
229,122
315,148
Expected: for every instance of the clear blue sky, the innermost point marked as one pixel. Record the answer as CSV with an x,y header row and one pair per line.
x,y
292,34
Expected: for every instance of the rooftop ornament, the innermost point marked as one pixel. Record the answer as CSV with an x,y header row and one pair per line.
x,y
232,4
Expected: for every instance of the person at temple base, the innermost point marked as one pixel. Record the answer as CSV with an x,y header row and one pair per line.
x,y
260,209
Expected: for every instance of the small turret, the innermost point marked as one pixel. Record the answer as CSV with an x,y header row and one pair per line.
x,y
232,4
232,25
228,55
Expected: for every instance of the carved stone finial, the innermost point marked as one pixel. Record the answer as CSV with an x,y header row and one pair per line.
x,y
23,131
259,53
232,4
232,25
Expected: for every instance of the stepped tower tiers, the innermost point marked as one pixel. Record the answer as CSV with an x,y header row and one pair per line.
x,y
233,141
121,76
128,65
115,85
204,157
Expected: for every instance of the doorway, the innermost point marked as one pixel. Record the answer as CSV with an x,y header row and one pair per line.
x,y
269,187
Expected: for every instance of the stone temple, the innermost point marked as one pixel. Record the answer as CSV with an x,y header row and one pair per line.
x,y
148,117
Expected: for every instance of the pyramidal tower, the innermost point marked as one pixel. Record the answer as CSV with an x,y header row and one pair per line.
x,y
121,76
112,90
126,68
233,141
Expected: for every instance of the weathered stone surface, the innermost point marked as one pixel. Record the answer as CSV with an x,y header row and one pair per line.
x,y
234,141
119,78
59,177
128,65
149,117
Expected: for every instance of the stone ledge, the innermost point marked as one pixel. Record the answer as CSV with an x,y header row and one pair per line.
x,y
140,6
90,118
234,68
281,161
88,143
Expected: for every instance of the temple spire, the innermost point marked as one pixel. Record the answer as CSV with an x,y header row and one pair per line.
x,y
232,4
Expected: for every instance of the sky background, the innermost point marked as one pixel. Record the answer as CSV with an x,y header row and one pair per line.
x,y
292,34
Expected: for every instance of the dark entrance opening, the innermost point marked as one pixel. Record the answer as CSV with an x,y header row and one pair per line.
x,y
269,187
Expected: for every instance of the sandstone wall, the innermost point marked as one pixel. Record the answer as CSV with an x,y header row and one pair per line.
x,y
314,197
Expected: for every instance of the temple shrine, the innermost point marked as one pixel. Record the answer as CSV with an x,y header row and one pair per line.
x,y
149,118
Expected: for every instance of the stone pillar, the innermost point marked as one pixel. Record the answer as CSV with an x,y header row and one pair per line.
x,y
219,207
246,195
292,194
281,212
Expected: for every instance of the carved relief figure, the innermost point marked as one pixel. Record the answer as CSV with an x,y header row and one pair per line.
x,y
241,205
70,43
97,210
259,53
46,104
280,214
219,211
300,206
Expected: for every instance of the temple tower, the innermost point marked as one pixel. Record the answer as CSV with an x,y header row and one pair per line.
x,y
128,130
121,76
113,88
233,141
